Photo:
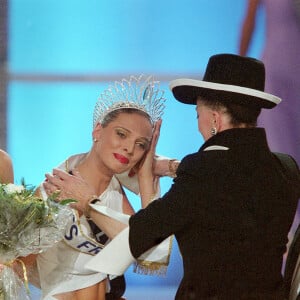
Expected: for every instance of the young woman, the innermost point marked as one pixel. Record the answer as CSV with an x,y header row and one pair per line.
x,y
126,125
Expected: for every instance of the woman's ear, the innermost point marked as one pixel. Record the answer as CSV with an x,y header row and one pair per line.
x,y
216,120
221,120
97,132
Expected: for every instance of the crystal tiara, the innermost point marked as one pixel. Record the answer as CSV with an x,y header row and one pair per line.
x,y
142,93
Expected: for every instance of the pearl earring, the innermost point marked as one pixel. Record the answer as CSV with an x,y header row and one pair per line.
x,y
95,140
213,131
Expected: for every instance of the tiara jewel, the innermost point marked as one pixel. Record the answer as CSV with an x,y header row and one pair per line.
x,y
138,92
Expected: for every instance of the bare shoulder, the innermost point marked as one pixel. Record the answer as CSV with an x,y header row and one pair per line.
x,y
4,155
6,168
5,159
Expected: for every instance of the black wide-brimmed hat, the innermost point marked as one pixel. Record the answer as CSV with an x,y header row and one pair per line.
x,y
228,78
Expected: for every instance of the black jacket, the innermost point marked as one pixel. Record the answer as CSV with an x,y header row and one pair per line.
x,y
230,208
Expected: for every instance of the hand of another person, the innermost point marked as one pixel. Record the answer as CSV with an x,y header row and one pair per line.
x,y
70,186
162,166
165,166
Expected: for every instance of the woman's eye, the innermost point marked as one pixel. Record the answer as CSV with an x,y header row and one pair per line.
x,y
121,134
141,145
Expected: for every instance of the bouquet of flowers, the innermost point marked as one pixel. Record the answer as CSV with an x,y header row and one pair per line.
x,y
28,225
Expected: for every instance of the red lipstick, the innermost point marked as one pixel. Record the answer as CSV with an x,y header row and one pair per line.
x,y
122,159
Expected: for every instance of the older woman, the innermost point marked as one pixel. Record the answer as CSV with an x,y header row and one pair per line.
x,y
232,203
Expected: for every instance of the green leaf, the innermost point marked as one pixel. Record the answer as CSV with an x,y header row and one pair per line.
x,y
67,201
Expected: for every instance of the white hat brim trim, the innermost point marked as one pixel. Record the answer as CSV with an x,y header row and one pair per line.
x,y
225,88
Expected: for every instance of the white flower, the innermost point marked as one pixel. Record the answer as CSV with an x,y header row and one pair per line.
x,y
11,188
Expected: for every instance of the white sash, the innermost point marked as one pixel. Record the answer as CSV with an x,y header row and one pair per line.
x,y
116,257
80,237
78,234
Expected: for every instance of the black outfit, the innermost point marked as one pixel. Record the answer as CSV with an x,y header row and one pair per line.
x,y
230,209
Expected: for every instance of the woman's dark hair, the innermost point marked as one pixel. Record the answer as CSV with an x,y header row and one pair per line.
x,y
239,114
114,114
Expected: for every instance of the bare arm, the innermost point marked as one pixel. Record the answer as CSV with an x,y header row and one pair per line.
x,y
248,26
6,168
